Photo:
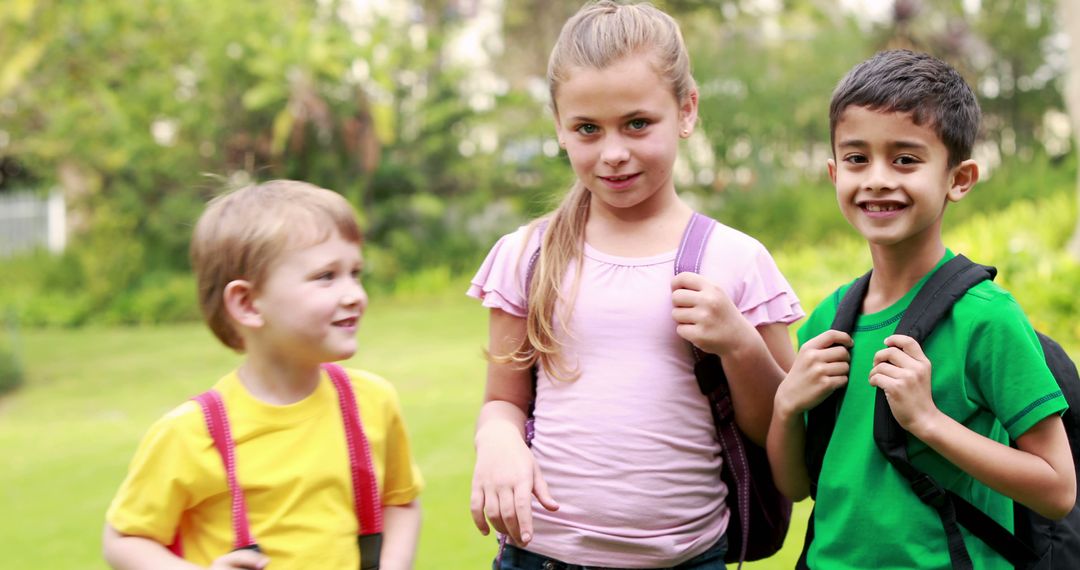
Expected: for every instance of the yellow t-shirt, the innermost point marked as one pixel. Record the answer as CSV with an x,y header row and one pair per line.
x,y
292,462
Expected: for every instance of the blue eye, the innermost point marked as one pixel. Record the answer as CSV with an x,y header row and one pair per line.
x,y
638,124
587,129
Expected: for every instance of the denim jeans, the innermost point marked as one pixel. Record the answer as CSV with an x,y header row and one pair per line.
x,y
514,558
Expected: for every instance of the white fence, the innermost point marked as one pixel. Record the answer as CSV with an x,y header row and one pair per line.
x,y
29,221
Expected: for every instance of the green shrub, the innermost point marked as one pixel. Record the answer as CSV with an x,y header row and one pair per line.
x,y
11,373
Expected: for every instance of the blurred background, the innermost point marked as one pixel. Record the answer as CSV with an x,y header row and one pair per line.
x,y
119,120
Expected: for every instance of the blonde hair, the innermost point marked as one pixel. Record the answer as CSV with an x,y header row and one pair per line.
x,y
599,35
241,234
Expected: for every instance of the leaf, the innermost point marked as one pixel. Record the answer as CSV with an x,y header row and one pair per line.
x,y
262,95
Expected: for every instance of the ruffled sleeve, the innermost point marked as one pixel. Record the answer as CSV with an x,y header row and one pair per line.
x,y
745,269
500,282
767,296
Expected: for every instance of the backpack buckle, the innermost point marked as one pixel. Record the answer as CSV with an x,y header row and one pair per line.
x,y
929,491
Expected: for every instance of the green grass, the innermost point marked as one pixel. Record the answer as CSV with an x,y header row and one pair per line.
x,y
69,433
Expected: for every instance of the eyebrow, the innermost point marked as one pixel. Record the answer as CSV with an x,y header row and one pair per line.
x,y
895,145
625,116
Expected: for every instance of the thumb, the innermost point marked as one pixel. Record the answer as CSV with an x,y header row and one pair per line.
x,y
245,560
540,490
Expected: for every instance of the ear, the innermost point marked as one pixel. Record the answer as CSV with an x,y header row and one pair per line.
x,y
688,113
962,178
831,164
239,300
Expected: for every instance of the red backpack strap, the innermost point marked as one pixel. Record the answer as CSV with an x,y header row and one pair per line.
x,y
366,498
217,423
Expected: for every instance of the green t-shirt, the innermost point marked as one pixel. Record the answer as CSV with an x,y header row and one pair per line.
x,y
988,373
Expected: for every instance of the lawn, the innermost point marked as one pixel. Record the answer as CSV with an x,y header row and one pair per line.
x,y
69,433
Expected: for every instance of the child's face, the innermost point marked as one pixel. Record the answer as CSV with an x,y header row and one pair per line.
x,y
311,302
892,177
621,126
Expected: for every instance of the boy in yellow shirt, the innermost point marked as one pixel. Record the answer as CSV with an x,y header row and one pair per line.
x,y
277,266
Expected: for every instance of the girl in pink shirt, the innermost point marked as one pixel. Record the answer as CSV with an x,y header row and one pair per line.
x,y
623,471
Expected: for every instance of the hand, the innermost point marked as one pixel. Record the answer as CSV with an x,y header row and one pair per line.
x,y
903,372
705,315
504,481
241,560
821,367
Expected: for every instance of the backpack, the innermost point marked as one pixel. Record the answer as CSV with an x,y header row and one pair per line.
x,y
760,513
367,501
1038,543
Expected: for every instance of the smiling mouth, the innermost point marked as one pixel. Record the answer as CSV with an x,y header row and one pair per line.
x,y
623,178
349,322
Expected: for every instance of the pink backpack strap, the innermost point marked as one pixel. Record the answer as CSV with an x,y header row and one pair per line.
x,y
366,497
217,423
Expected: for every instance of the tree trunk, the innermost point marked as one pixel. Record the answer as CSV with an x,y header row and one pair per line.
x,y
1069,11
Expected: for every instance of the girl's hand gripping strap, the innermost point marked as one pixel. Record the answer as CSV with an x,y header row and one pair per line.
x,y
366,497
218,425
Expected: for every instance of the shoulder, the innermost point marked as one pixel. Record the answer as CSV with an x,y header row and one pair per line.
x,y
821,318
373,391
987,304
734,245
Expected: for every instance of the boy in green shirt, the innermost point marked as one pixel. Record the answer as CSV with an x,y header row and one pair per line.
x,y
903,125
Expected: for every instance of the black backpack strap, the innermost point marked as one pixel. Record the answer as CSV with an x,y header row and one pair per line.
x,y
821,420
933,302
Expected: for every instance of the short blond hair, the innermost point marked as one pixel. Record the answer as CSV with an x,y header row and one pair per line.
x,y
242,233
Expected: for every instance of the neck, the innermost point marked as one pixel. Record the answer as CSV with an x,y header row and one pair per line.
x,y
645,230
278,381
897,270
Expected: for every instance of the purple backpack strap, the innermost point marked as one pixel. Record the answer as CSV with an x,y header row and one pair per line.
x,y
757,506
217,423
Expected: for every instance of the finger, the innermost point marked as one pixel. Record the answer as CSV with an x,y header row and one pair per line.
x,y
493,510
835,354
836,369
688,280
476,507
541,491
523,514
685,315
685,298
895,356
830,338
246,560
508,510
908,345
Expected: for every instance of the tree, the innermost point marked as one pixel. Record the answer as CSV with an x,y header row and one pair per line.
x,y
1070,24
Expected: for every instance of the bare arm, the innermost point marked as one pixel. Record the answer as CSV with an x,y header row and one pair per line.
x,y
1039,474
819,369
127,552
401,531
506,476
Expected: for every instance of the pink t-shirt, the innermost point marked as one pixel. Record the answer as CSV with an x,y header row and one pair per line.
x,y
629,449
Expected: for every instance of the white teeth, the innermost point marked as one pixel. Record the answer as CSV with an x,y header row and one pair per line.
x,y
881,207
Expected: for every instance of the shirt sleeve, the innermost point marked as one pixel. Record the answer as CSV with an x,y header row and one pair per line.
x,y
157,488
1008,364
500,281
403,481
767,297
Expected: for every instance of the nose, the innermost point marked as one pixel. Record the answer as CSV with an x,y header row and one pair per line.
x,y
615,151
879,176
355,296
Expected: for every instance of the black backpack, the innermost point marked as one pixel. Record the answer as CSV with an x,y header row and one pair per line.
x,y
1038,543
